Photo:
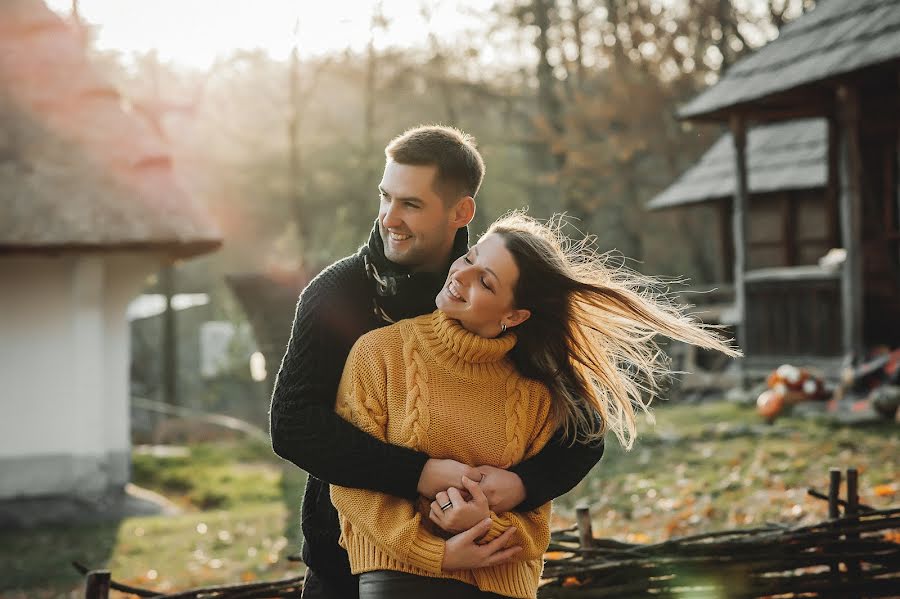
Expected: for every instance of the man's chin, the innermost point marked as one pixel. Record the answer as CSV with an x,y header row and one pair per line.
x,y
402,258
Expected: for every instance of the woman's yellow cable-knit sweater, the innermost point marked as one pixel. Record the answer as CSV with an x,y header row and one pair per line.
x,y
428,384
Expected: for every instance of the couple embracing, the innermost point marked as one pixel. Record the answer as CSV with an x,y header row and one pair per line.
x,y
440,395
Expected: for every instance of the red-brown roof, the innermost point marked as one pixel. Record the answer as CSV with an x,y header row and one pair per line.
x,y
78,168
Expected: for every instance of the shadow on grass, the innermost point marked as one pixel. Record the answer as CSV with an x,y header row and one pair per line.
x,y
41,558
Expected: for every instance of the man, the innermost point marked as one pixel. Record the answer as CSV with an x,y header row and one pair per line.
x,y
431,177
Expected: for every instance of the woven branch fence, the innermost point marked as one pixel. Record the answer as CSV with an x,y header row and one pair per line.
x,y
851,555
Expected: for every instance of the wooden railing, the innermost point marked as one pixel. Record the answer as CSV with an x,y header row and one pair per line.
x,y
793,312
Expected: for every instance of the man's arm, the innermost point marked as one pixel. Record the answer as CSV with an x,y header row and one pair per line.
x,y
555,470
304,426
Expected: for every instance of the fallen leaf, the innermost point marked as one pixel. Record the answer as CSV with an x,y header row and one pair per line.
x,y
885,490
555,554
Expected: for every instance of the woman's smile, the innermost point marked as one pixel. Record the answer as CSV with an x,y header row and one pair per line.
x,y
453,292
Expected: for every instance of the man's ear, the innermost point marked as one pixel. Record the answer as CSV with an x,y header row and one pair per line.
x,y
516,317
463,212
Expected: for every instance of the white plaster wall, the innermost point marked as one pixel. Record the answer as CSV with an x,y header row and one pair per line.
x,y
64,358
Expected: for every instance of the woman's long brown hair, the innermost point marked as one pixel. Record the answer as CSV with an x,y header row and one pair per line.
x,y
591,335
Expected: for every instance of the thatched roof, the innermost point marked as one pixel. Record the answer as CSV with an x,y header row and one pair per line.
x,y
835,38
790,155
78,169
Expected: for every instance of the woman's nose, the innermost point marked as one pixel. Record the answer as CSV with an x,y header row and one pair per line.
x,y
464,274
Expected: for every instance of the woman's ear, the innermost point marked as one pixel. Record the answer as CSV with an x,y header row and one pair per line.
x,y
516,317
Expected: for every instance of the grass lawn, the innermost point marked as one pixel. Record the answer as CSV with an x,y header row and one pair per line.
x,y
701,467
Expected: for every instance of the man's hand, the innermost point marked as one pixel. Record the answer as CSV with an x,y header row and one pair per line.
x,y
440,475
462,514
462,552
504,489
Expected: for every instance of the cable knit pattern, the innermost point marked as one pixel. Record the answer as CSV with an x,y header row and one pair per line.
x,y
415,425
516,415
429,383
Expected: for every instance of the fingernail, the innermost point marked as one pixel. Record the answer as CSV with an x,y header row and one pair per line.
x,y
486,520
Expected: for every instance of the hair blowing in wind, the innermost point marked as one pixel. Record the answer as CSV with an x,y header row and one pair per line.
x,y
592,333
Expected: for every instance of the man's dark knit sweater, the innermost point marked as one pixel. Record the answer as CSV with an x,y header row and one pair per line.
x,y
335,309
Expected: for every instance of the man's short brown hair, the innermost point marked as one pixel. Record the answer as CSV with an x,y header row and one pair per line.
x,y
460,168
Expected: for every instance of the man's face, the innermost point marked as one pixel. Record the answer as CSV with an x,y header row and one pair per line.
x,y
415,225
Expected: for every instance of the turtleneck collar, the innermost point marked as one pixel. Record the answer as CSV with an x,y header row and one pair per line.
x,y
449,337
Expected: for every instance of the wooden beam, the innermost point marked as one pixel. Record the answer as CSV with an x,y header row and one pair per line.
x,y
739,224
832,189
850,198
726,242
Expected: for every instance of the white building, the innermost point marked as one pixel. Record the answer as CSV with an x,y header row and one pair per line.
x,y
89,207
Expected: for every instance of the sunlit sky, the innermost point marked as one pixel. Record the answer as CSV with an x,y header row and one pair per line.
x,y
195,32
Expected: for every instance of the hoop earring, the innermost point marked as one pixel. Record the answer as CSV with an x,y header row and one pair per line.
x,y
502,327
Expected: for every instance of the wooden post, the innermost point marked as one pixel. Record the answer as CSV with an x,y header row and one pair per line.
x,y
96,584
739,226
850,199
585,531
852,491
169,338
726,243
852,509
834,489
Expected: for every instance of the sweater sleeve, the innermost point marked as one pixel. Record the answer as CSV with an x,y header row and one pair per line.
x,y
393,524
555,469
304,427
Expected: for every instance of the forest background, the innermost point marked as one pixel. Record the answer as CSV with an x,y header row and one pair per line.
x,y
573,104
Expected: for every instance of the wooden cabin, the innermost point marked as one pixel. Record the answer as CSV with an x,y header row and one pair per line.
x,y
839,63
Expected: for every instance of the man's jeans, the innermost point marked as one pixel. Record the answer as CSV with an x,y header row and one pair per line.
x,y
316,587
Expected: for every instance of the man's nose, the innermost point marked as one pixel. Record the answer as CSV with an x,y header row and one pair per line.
x,y
390,218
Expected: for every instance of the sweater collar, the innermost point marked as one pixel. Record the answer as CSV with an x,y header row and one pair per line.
x,y
449,335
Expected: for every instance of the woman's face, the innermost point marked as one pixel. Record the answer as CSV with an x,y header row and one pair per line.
x,y
479,289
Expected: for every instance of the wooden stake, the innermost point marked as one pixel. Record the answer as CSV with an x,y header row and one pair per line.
x,y
585,531
96,584
834,488
851,510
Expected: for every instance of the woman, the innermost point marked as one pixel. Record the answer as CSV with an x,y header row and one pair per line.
x,y
531,334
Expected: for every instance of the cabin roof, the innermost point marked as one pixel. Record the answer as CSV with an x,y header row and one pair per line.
x,y
782,156
835,38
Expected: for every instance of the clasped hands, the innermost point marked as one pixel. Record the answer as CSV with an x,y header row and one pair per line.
x,y
473,493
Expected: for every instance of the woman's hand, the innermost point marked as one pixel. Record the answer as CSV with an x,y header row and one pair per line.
x,y
439,475
461,515
462,552
504,489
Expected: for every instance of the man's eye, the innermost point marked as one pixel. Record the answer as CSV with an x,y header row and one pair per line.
x,y
466,258
411,205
